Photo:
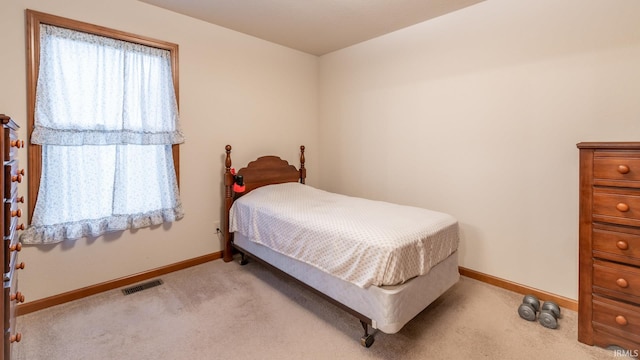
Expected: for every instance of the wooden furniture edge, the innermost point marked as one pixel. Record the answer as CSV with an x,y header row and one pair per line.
x,y
585,245
518,288
634,145
77,294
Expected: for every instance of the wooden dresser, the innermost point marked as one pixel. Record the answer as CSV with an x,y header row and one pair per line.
x,y
11,218
609,289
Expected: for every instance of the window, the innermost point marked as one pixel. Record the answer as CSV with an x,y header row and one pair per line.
x,y
103,125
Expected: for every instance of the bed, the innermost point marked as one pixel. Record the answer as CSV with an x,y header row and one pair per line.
x,y
383,263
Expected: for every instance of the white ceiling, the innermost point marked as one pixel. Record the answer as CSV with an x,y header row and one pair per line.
x,y
316,27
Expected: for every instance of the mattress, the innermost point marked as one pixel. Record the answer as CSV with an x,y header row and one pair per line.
x,y
388,307
360,241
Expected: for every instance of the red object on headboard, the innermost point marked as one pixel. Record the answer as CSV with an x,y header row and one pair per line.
x,y
238,188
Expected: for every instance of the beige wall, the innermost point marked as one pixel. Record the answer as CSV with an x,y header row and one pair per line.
x,y
257,96
477,114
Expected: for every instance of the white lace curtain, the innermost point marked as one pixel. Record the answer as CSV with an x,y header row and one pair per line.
x,y
106,116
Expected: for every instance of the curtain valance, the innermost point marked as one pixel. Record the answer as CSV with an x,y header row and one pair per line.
x,y
138,103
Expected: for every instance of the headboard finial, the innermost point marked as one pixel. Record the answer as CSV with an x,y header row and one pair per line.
x,y
227,161
303,171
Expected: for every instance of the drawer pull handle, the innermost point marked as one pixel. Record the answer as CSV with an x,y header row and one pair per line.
x,y
20,227
20,266
17,178
16,247
17,143
17,296
17,213
15,338
623,169
622,283
622,245
20,199
622,207
621,320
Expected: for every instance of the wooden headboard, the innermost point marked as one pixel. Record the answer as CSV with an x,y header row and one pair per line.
x,y
265,170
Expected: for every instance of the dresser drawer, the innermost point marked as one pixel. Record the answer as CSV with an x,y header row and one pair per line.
x,y
619,206
13,297
12,246
12,215
11,144
617,168
616,280
616,243
12,177
605,340
616,317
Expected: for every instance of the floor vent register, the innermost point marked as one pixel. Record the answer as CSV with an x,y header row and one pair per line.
x,y
136,288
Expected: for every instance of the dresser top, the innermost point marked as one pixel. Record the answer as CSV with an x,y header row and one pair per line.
x,y
8,121
609,145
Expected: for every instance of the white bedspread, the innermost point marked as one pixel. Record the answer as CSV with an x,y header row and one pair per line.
x,y
362,241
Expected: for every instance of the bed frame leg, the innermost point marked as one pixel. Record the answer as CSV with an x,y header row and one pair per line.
x,y
243,259
367,339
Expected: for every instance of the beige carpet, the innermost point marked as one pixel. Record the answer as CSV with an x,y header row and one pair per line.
x,y
222,310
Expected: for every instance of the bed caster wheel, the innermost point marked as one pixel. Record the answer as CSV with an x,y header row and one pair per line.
x,y
549,315
367,341
529,307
